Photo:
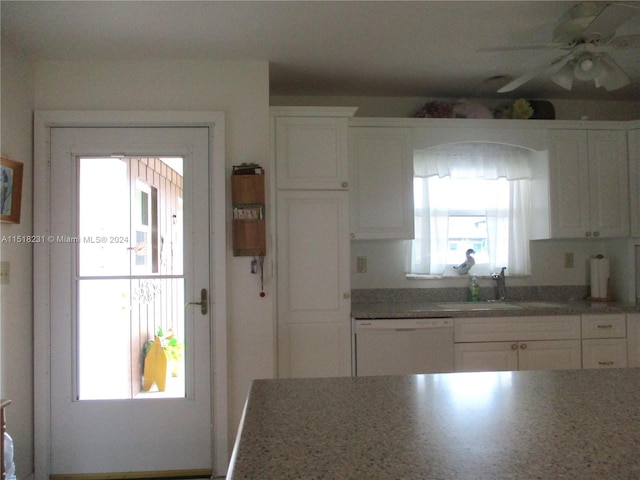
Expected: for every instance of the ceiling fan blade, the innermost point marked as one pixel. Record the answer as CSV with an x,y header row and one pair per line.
x,y
612,76
624,41
558,62
607,21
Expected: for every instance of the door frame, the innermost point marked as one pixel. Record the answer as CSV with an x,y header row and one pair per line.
x,y
43,122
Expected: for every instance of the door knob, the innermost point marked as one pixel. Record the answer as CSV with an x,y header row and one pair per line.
x,y
204,306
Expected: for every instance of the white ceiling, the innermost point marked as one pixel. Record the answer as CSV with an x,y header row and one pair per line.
x,y
389,48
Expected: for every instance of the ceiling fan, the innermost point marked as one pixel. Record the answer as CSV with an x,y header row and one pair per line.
x,y
586,33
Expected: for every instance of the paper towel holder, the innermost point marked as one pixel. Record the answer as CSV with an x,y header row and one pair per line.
x,y
600,280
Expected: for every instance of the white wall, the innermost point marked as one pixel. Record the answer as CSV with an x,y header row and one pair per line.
x,y
16,312
241,90
387,260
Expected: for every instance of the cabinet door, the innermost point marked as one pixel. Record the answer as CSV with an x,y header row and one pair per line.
x,y
589,183
569,181
633,340
313,350
381,176
486,356
608,183
549,355
633,137
604,353
311,153
313,284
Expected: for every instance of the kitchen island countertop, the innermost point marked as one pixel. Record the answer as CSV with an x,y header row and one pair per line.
x,y
574,424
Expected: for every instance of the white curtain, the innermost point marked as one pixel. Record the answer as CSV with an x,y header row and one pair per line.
x,y
507,224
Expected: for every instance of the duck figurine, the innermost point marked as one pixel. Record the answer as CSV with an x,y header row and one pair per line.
x,y
465,266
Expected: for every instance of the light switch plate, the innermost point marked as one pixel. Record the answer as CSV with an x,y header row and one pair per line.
x,y
361,265
568,260
4,273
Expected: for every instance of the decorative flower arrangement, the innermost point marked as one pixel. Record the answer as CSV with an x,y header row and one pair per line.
x,y
520,110
435,110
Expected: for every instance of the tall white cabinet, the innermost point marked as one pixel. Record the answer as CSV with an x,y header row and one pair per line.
x,y
312,243
589,183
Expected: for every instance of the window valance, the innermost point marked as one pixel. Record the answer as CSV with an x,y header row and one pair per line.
x,y
473,160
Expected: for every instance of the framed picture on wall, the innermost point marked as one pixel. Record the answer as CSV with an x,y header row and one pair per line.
x,y
10,190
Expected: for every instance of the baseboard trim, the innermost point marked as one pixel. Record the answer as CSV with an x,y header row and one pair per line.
x,y
159,474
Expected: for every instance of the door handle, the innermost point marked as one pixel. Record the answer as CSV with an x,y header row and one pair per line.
x,y
204,306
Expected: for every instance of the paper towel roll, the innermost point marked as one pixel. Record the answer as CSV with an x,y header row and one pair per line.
x,y
600,278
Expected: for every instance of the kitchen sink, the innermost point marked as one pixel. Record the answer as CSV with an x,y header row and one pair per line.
x,y
478,306
500,305
539,305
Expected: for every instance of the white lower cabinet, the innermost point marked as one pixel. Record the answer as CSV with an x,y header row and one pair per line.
x,y
633,340
517,343
604,353
604,341
522,355
485,356
549,355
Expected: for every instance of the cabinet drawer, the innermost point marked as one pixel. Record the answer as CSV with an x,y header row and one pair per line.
x,y
604,326
503,329
604,353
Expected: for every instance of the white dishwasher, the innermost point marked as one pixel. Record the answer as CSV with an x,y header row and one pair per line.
x,y
403,346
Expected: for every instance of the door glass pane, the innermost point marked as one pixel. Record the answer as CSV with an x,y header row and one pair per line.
x,y
103,217
130,313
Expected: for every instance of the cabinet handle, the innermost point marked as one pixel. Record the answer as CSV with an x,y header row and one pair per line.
x,y
588,234
346,295
514,346
605,326
596,234
523,346
345,184
352,236
606,363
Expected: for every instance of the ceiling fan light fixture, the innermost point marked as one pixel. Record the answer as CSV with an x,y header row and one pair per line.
x,y
587,67
564,76
612,76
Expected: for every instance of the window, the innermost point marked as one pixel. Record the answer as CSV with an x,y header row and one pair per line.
x,y
471,196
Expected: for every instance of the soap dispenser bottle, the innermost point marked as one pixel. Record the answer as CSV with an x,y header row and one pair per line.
x,y
474,290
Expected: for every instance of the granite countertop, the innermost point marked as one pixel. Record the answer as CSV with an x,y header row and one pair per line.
x,y
574,424
373,310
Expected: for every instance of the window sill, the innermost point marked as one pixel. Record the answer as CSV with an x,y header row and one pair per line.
x,y
418,276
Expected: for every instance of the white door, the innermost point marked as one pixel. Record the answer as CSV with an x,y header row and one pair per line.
x,y
129,250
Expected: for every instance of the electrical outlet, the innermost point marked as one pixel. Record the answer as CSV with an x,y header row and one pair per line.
x,y
568,260
361,264
4,273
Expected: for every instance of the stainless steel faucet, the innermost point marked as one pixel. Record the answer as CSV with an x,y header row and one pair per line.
x,y
502,286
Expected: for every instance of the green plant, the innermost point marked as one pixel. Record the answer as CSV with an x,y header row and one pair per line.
x,y
173,349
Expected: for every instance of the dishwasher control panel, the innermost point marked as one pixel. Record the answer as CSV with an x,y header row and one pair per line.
x,y
404,323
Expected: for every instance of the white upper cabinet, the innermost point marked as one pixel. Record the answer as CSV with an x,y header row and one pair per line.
x,y
634,180
589,183
311,151
381,177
